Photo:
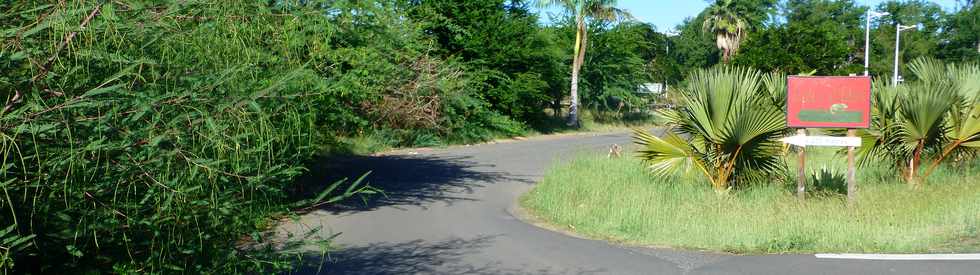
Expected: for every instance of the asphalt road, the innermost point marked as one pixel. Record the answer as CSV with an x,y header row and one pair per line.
x,y
449,211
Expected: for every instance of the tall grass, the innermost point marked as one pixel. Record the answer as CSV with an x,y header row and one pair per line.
x,y
160,138
618,200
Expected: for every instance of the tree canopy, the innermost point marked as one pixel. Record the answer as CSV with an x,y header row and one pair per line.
x,y
827,36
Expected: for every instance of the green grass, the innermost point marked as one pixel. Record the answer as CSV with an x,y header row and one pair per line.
x,y
827,116
598,121
595,121
617,200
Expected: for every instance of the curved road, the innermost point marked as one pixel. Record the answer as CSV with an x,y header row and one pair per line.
x,y
448,211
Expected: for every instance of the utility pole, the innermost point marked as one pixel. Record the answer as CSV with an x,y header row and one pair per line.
x,y
867,35
898,38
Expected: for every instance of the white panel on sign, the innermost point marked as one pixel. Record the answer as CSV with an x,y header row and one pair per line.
x,y
823,141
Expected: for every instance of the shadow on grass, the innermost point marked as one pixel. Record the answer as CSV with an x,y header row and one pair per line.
x,y
406,180
551,125
622,118
413,257
592,118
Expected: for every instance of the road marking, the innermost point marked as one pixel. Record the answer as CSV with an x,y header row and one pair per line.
x,y
902,257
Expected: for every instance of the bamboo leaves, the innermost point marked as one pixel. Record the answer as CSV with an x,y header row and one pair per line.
x,y
166,139
10,244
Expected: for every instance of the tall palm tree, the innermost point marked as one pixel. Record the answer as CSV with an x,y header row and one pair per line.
x,y
583,10
729,25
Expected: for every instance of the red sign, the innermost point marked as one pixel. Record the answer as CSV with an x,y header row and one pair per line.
x,y
828,102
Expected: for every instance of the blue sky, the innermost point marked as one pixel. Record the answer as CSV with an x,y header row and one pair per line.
x,y
665,14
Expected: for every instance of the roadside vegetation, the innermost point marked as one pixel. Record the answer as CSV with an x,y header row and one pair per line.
x,y
924,134
590,121
918,126
168,136
619,201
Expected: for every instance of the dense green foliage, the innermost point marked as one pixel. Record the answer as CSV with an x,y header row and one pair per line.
x,y
799,36
515,62
159,135
163,136
616,65
816,36
962,32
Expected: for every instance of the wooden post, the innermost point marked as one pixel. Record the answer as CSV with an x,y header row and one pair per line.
x,y
801,170
851,182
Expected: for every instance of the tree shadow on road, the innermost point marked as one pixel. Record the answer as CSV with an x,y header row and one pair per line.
x,y
406,180
414,257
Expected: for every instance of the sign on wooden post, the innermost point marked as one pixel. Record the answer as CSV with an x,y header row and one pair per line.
x,y
828,102
801,170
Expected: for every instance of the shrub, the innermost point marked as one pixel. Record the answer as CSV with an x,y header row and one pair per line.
x,y
934,117
727,129
153,137
159,137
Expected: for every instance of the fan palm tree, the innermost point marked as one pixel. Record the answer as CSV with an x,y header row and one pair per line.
x,y
729,26
923,111
583,10
938,113
962,128
727,130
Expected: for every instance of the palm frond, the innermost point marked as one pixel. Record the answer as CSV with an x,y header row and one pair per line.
x,y
961,128
925,104
606,10
775,83
597,9
964,122
879,141
668,155
731,125
565,4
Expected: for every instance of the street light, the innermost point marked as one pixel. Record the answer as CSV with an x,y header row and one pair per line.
x,y
898,30
867,36
668,35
